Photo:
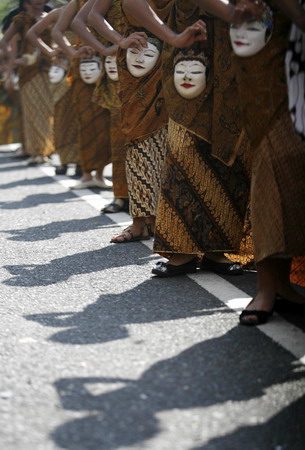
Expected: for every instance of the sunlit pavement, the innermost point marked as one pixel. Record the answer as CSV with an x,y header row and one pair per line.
x,y
98,354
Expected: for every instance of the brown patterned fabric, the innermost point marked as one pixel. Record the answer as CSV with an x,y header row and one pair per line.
x,y
262,81
203,202
66,129
94,128
278,178
106,93
23,22
214,115
143,108
144,164
37,115
278,182
94,121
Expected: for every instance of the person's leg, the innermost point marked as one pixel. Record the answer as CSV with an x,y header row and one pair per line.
x,y
261,307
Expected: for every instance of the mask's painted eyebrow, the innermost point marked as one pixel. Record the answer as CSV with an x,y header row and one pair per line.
x,y
255,22
196,64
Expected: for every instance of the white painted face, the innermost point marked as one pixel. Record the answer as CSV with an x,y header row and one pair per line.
x,y
90,71
248,38
111,68
190,78
56,74
141,61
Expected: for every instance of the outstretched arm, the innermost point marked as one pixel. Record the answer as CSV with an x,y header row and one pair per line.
x,y
62,25
8,36
145,15
97,20
34,33
79,26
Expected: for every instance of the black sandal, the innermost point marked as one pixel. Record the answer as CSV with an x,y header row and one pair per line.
x,y
115,207
61,170
260,317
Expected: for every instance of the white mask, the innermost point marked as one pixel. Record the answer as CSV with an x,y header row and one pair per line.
x,y
111,68
190,78
249,38
90,71
141,60
56,74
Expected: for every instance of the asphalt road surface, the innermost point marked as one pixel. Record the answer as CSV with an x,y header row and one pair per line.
x,y
98,354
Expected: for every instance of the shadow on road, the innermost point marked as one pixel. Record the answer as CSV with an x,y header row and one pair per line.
x,y
53,230
38,199
106,319
219,370
28,182
61,269
285,431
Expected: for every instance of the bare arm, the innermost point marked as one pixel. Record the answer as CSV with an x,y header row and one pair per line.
x,y
294,11
79,26
33,35
62,25
145,15
97,19
8,36
12,55
219,8
224,10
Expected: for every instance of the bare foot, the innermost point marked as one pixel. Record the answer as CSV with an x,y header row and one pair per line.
x,y
261,303
179,259
130,234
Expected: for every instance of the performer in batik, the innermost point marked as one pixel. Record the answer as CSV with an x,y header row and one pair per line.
x,y
35,93
205,188
278,182
94,121
10,119
66,135
144,117
106,94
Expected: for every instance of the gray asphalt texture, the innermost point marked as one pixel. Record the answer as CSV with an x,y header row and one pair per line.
x,y
97,354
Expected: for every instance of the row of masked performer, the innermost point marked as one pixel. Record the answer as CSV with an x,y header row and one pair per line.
x,y
199,107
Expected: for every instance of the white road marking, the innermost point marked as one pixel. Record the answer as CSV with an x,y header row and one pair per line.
x,y
278,329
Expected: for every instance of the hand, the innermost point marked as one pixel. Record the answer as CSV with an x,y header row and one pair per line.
x,y
9,84
111,51
84,52
56,52
194,33
138,39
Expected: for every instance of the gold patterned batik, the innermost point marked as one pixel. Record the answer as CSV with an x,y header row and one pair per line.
x,y
66,129
203,203
37,115
144,164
